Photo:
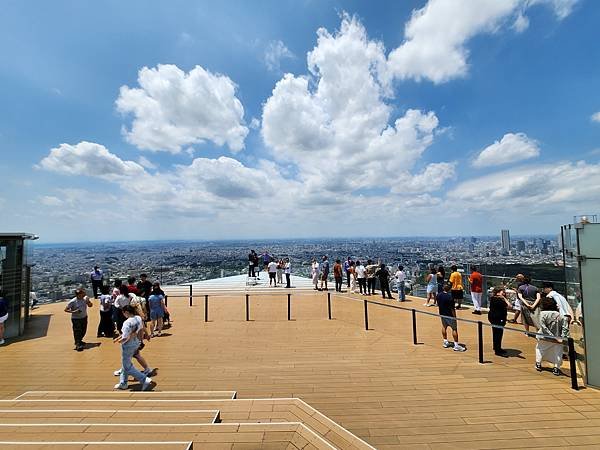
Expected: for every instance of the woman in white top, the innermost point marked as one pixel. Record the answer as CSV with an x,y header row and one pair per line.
x,y
315,273
130,344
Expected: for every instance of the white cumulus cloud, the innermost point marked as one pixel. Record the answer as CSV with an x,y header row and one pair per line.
x,y
596,117
334,123
436,35
513,147
172,109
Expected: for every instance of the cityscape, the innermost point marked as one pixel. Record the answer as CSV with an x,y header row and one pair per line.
x,y
60,268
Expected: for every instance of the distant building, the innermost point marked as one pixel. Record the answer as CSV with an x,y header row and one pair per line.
x,y
520,246
505,240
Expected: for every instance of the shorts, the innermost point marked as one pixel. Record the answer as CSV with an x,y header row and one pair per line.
x,y
272,275
431,289
457,294
449,323
324,276
3,318
156,314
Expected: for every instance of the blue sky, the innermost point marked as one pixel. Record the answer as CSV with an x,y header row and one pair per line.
x,y
404,118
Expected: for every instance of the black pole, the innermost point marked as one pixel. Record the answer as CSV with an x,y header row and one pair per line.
x,y
480,340
289,306
414,324
247,307
166,300
329,305
191,295
366,316
573,364
206,308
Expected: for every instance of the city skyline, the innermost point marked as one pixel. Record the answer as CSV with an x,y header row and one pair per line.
x,y
280,120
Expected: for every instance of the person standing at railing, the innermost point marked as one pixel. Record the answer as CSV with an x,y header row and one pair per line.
x,y
361,277
563,306
314,267
441,276
384,280
280,271
530,300
371,269
338,275
288,272
352,272
517,306
431,287
497,315
252,262
401,283
272,268
457,286
347,265
552,323
446,308
476,282
324,273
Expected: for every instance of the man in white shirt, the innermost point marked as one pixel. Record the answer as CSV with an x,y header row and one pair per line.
x,y
361,277
400,281
288,272
272,267
563,306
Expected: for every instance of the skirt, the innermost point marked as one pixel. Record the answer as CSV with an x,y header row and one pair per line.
x,y
530,317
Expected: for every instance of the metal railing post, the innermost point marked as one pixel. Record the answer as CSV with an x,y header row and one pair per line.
x,y
191,295
289,306
366,315
573,364
480,340
414,326
206,308
247,307
329,305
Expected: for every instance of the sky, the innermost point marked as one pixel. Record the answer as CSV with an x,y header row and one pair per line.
x,y
284,119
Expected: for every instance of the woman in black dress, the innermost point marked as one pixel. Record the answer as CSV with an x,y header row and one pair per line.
x,y
499,305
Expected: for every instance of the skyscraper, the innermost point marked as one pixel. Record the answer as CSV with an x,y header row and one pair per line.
x,y
505,239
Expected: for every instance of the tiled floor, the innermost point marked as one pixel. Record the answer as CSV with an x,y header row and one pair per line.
x,y
375,383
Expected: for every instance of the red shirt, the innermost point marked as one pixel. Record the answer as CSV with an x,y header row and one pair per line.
x,y
476,280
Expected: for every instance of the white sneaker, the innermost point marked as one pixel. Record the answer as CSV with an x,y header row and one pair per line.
x,y
148,384
117,373
2,341
448,344
459,348
121,387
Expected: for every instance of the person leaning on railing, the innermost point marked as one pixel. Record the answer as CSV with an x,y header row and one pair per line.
x,y
552,323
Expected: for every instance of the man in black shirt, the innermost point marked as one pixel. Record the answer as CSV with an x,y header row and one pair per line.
x,y
447,308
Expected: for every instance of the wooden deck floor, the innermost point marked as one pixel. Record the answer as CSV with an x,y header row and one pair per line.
x,y
375,383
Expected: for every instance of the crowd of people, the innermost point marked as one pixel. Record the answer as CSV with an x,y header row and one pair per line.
x,y
130,313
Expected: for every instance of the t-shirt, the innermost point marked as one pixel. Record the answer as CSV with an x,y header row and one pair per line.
x,y
122,300
445,304
78,304
361,271
288,268
476,281
155,302
96,275
3,307
144,288
106,302
529,292
132,289
337,270
456,280
272,267
325,267
131,326
400,275
498,310
563,307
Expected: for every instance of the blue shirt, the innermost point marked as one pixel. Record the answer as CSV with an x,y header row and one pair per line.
x,y
155,302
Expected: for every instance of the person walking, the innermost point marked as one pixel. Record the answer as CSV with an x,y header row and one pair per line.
x,y
77,307
431,287
97,279
457,286
476,282
324,273
552,324
338,275
497,315
287,268
130,344
384,280
361,278
106,327
3,316
401,283
446,308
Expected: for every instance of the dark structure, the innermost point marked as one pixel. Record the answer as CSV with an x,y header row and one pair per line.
x,y
15,279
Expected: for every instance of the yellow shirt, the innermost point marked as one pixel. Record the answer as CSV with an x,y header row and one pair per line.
x,y
456,280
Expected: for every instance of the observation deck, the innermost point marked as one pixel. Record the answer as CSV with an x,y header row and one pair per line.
x,y
261,369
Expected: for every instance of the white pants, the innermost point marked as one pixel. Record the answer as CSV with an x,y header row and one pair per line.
x,y
549,351
476,297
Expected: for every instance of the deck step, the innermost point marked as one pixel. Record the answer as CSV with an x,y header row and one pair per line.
x,y
137,395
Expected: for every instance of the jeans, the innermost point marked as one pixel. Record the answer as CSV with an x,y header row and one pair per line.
x,y
127,351
338,284
497,335
371,285
348,278
96,286
385,287
79,329
287,281
362,285
401,291
251,272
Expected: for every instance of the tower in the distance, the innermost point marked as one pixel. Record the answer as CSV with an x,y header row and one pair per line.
x,y
505,239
